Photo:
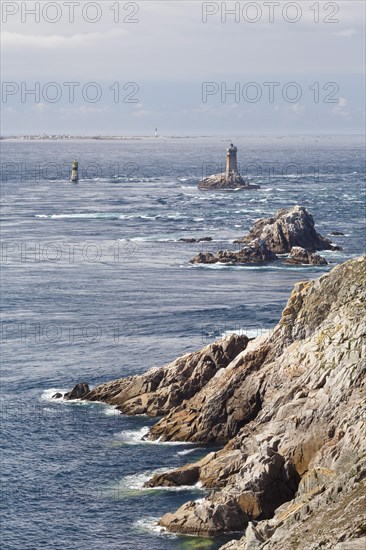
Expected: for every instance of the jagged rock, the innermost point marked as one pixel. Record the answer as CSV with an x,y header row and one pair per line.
x,y
291,410
299,256
290,227
79,391
160,389
222,181
256,251
188,475
204,258
206,518
57,395
337,233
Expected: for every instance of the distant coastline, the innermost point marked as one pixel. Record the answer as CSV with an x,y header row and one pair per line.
x,y
59,137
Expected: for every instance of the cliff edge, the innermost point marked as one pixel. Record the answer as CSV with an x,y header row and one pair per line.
x,y
289,409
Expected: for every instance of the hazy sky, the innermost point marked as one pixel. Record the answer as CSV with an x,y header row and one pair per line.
x,y
290,67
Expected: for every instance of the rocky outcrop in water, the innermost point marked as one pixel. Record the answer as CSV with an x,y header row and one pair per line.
x,y
300,256
289,409
254,252
79,391
291,231
223,182
290,227
195,240
159,390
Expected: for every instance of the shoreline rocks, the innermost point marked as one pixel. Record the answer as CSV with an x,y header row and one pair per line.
x,y
304,439
288,409
160,389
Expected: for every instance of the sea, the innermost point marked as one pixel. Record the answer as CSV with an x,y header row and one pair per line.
x,y
97,286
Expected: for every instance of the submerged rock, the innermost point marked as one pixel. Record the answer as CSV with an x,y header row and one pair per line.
x,y
290,227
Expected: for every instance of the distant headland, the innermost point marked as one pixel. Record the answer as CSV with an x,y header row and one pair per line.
x,y
65,137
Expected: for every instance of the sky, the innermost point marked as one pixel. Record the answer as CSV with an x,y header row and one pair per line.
x,y
184,67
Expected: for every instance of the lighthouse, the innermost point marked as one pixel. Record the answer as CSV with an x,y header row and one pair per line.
x,y
231,178
231,162
74,171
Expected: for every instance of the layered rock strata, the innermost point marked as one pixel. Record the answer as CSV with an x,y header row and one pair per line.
x,y
289,409
159,390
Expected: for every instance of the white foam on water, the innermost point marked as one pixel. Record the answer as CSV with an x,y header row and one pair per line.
x,y
83,215
185,452
150,525
111,410
256,267
135,437
47,395
250,333
136,482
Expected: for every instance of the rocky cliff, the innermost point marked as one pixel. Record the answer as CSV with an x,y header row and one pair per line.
x,y
292,409
289,409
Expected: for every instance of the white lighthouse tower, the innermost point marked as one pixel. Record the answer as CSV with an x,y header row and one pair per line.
x,y
231,162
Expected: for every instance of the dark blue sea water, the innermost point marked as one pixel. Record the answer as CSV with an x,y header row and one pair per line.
x,y
95,286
